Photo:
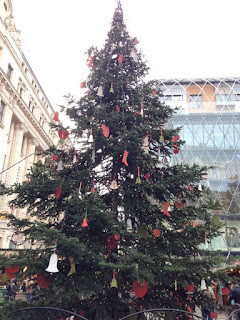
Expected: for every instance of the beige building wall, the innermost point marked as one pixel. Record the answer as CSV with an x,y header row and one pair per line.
x,y
25,113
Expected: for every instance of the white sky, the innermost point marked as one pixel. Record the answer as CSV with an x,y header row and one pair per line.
x,y
179,38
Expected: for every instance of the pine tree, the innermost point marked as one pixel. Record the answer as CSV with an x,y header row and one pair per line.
x,y
126,225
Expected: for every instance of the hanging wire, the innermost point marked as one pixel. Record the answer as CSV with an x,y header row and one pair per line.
x,y
17,163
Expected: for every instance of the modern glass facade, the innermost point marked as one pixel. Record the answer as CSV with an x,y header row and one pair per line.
x,y
209,114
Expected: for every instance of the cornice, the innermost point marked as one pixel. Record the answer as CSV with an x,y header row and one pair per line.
x,y
15,99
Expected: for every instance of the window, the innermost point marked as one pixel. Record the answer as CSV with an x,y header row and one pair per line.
x,y
223,98
5,6
195,101
9,71
21,92
2,105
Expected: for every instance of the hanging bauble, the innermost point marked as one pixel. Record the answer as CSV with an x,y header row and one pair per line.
x,y
52,267
43,280
18,238
100,91
124,160
105,130
85,222
114,185
190,288
56,116
72,267
161,139
200,186
111,242
213,315
90,139
167,203
58,192
111,88
133,54
54,157
147,176
120,59
113,283
129,225
140,288
156,232
90,63
63,134
117,108
60,165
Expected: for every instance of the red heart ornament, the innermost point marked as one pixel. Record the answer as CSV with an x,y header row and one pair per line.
x,y
147,176
190,287
176,151
111,242
43,280
105,130
140,289
179,205
63,134
156,232
225,291
11,271
213,315
118,108
58,192
116,237
54,157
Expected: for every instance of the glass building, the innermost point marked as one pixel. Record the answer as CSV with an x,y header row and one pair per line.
x,y
209,114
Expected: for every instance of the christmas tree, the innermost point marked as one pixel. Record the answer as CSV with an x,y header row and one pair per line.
x,y
117,227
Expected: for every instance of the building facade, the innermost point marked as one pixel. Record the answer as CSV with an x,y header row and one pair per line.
x,y
209,114
25,113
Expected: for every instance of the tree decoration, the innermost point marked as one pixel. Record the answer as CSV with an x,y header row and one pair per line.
x,y
90,63
142,105
147,176
18,238
145,145
133,54
113,283
93,187
43,280
56,116
213,315
167,203
105,130
114,185
140,288
190,188
124,160
138,180
203,285
161,139
12,208
190,288
72,267
120,59
85,220
111,88
225,291
129,224
60,165
11,271
112,242
90,139
100,91
54,157
117,108
199,186
52,267
83,84
58,192
28,179
156,231
153,93
63,134
79,191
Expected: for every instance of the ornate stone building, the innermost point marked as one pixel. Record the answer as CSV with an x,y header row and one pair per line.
x,y
25,113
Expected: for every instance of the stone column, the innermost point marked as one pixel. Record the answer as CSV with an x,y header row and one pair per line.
x,y
32,143
5,125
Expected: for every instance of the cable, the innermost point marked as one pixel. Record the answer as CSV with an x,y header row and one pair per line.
x,y
17,163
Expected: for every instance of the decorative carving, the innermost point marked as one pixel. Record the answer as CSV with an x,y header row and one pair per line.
x,y
21,126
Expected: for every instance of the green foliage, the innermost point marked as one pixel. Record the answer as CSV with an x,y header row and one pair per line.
x,y
169,262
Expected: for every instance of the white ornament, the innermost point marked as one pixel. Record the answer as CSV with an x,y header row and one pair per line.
x,y
100,91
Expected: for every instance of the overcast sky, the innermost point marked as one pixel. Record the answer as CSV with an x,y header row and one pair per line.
x,y
179,38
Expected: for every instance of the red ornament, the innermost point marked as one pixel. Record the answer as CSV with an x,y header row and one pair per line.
x,y
176,151
85,222
190,287
166,208
175,138
225,291
156,232
179,205
213,315
11,272
116,237
147,176
118,108
90,62
190,188
58,192
56,116
140,289
111,242
120,59
124,160
105,130
54,157
82,84
63,134
28,179
43,280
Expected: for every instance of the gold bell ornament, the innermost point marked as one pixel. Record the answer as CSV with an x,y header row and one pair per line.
x,y
113,283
